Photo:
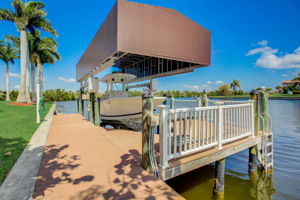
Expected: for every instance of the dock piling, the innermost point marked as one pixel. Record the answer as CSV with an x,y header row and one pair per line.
x,y
147,112
81,105
97,112
172,105
92,108
264,111
219,179
253,151
204,99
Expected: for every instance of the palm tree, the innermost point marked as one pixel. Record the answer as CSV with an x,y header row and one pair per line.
x,y
26,16
8,54
235,84
43,51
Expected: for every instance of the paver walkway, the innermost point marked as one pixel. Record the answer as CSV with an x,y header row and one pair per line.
x,y
82,161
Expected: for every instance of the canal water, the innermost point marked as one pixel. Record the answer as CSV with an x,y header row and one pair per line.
x,y
283,183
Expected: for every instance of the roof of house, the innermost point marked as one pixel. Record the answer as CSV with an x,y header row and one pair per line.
x,y
290,82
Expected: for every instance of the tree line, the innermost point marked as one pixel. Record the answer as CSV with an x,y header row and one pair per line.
x,y
48,95
31,47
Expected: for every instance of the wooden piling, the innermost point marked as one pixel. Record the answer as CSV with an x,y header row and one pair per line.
x,y
204,100
81,103
172,104
264,110
147,113
219,179
97,112
92,108
253,151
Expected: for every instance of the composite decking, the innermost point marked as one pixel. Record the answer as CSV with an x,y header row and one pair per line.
x,y
82,161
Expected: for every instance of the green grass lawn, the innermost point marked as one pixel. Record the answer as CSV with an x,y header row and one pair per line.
x,y
17,125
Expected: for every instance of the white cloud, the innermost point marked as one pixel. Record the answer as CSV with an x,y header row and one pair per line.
x,y
17,87
269,59
209,82
197,87
15,75
67,80
263,43
219,82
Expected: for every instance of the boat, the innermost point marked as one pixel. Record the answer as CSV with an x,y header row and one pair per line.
x,y
117,105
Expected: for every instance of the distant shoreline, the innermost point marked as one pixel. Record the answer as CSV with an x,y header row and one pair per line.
x,y
248,97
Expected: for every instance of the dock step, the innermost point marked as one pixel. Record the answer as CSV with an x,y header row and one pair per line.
x,y
267,151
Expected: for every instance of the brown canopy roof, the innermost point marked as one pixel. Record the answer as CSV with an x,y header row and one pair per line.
x,y
147,41
290,82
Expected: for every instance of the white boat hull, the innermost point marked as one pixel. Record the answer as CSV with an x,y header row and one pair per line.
x,y
124,108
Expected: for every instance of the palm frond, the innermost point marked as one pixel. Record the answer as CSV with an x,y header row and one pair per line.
x,y
8,53
43,24
36,4
7,15
15,40
19,6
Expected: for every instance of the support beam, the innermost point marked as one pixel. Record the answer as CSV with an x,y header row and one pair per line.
x,y
219,179
147,113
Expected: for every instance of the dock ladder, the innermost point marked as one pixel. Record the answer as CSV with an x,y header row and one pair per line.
x,y
266,158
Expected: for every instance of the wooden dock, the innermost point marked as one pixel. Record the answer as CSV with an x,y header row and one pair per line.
x,y
83,161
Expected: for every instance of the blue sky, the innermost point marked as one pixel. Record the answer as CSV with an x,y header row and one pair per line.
x,y
254,41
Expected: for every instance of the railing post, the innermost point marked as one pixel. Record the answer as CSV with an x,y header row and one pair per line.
x,y
220,124
252,114
147,113
254,98
163,136
199,102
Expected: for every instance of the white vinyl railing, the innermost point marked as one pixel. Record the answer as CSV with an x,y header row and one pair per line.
x,y
189,130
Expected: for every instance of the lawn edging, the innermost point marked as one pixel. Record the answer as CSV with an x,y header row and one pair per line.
x,y
20,182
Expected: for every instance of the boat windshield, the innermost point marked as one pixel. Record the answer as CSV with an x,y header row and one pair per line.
x,y
117,87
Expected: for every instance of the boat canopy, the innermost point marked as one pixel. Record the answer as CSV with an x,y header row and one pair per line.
x,y
146,41
117,78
